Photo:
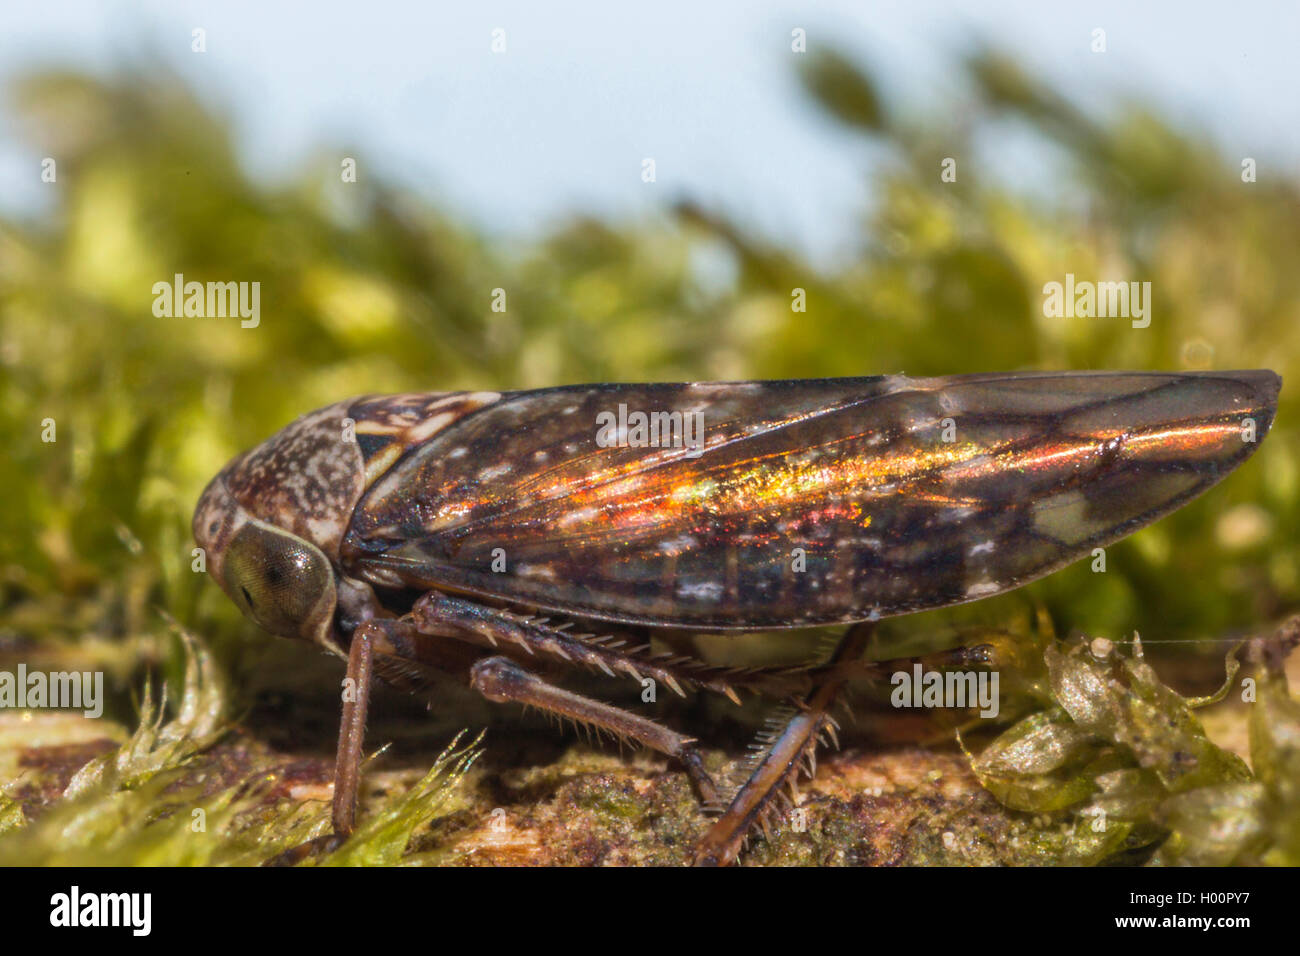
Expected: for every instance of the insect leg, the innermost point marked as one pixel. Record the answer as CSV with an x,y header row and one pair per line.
x,y
501,680
493,628
757,797
347,763
352,728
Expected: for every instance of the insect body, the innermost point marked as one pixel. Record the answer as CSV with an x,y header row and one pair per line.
x,y
397,530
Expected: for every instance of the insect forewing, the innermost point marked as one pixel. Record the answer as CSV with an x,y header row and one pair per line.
x,y
806,502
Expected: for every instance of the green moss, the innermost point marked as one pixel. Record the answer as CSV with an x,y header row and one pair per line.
x,y
1127,757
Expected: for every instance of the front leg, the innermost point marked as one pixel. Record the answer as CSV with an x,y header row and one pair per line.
x,y
352,729
422,639
347,762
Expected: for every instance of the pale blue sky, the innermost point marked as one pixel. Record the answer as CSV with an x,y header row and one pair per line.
x,y
563,119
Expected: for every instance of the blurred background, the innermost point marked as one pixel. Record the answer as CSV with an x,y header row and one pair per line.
x,y
505,146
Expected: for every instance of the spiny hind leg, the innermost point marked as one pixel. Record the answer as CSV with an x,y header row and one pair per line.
x,y
502,680
791,752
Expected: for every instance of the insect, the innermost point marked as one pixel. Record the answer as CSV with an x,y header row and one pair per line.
x,y
430,532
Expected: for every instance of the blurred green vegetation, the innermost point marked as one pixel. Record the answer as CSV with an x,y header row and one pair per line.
x,y
365,288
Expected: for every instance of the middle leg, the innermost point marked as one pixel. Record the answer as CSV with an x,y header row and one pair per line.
x,y
501,680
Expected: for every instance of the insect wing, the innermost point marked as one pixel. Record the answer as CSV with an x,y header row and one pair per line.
x,y
804,502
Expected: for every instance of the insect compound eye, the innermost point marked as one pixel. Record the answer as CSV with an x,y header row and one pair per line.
x,y
280,581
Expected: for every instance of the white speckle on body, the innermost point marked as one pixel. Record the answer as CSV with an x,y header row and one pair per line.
x,y
981,588
701,590
679,544
535,571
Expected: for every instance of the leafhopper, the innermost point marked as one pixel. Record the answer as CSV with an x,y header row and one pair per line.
x,y
469,532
